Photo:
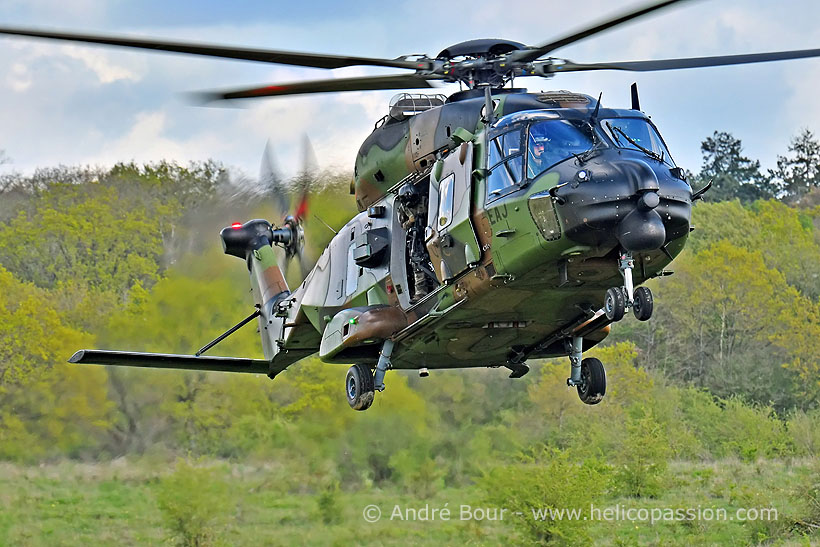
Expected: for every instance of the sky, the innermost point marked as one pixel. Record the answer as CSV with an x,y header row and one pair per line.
x,y
92,105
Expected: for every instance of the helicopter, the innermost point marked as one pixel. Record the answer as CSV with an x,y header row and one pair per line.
x,y
494,226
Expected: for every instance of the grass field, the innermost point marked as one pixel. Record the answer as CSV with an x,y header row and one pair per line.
x,y
116,503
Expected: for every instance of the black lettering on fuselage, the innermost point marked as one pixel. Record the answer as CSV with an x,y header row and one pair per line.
x,y
497,214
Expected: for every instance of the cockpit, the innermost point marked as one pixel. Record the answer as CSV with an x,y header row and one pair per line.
x,y
526,144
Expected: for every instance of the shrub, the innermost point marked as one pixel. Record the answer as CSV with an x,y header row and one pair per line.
x,y
804,431
642,457
539,492
194,501
330,509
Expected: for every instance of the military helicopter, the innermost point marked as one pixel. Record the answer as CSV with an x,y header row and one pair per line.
x,y
494,225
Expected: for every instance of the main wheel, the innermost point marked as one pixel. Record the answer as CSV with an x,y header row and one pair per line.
x,y
359,387
593,381
615,304
642,307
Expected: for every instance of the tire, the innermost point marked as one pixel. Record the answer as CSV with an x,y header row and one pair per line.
x,y
359,387
593,381
615,304
643,305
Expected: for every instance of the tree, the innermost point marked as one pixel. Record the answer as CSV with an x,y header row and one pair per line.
x,y
47,407
799,173
733,175
732,334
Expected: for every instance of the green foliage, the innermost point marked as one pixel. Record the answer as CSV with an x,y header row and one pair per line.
x,y
47,408
733,175
551,482
804,429
195,501
730,427
642,457
810,494
93,238
329,505
799,173
732,333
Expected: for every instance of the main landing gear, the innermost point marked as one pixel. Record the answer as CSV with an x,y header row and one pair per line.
x,y
618,299
588,375
361,383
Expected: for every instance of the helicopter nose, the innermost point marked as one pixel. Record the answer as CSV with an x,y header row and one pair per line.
x,y
623,201
642,229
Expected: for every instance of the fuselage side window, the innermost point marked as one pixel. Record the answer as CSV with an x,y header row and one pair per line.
x,y
445,209
352,278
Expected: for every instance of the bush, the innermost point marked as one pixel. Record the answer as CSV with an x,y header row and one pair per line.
x,y
194,502
732,427
804,431
539,492
330,509
642,457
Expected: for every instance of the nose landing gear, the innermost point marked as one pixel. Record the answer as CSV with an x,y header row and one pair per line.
x,y
618,299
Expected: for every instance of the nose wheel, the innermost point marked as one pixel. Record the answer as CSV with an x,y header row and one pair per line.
x,y
619,299
643,304
615,304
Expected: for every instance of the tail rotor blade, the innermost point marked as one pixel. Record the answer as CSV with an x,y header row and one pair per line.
x,y
272,182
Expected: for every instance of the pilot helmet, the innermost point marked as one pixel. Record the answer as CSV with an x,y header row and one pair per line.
x,y
408,195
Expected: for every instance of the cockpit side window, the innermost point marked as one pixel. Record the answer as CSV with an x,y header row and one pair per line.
x,y
506,162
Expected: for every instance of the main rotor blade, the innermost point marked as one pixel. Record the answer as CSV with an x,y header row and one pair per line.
x,y
528,55
692,62
316,60
395,81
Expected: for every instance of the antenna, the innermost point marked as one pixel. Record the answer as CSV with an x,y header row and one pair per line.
x,y
597,108
636,103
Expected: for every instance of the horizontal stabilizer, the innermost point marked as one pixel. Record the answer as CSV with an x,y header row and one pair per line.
x,y
165,360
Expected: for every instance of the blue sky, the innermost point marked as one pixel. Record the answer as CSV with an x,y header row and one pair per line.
x,y
64,104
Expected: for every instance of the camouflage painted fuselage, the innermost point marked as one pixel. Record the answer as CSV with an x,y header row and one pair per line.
x,y
518,270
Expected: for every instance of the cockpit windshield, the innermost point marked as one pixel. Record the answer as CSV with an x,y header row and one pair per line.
x,y
637,134
552,141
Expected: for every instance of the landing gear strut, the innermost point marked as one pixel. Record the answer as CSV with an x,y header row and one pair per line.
x,y
587,375
618,299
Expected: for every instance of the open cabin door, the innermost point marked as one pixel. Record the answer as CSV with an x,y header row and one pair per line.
x,y
450,237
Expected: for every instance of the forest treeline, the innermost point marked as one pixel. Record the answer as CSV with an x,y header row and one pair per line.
x,y
129,258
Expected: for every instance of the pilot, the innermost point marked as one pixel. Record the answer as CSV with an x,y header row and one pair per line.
x,y
537,161
412,208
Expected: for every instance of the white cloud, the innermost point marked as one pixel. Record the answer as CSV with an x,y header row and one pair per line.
x,y
101,64
19,78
